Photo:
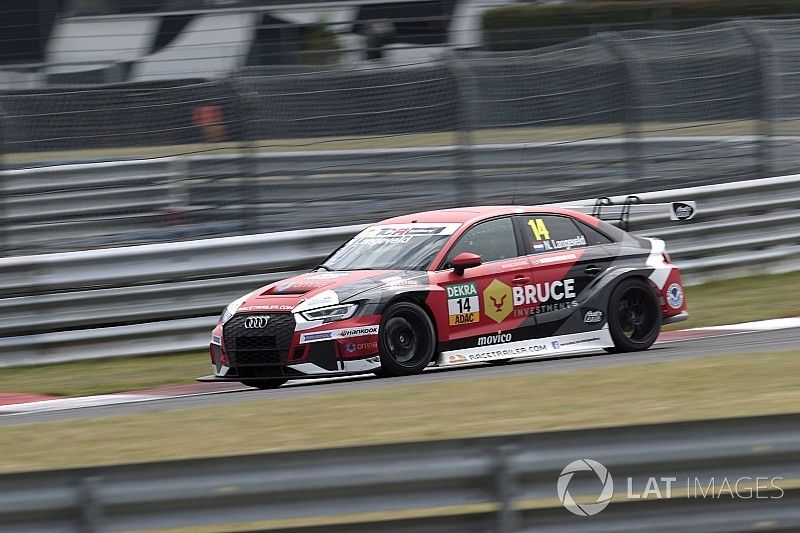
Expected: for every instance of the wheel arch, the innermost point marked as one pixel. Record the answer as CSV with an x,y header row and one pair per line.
x,y
601,292
420,298
616,276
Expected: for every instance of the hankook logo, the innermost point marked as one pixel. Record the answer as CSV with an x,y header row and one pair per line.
x,y
256,322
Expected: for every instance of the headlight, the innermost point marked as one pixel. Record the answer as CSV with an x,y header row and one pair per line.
x,y
332,313
229,311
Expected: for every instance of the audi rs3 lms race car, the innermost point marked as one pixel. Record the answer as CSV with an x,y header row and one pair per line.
x,y
453,287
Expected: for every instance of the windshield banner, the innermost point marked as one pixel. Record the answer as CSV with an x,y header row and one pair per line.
x,y
401,233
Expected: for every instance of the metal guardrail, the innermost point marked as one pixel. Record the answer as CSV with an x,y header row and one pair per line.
x,y
164,298
501,483
179,197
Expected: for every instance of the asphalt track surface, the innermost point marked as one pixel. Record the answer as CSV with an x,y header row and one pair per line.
x,y
726,343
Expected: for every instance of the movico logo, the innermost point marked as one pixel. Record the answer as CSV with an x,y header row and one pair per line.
x,y
494,339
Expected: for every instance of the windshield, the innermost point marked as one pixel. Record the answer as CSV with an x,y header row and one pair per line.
x,y
392,247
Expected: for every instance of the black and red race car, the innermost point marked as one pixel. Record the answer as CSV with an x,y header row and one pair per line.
x,y
453,287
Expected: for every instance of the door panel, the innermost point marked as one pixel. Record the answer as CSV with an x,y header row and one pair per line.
x,y
481,301
564,263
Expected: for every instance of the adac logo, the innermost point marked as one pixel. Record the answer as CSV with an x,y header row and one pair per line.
x,y
498,301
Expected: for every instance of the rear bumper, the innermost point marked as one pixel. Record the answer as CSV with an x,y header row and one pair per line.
x,y
680,317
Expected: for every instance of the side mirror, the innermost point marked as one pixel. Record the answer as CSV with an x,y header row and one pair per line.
x,y
463,261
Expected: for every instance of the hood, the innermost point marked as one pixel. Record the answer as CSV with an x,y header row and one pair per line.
x,y
321,289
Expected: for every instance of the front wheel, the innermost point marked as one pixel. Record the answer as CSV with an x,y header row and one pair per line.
x,y
264,384
634,316
407,340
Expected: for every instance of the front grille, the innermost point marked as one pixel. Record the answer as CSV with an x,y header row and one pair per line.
x,y
259,346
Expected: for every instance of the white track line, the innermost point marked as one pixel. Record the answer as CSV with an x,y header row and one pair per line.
x,y
761,325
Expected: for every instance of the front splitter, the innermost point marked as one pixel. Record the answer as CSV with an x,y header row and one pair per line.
x,y
213,379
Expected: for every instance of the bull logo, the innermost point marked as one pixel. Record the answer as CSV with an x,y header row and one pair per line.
x,y
497,300
498,307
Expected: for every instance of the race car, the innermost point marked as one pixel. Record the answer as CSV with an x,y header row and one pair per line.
x,y
454,287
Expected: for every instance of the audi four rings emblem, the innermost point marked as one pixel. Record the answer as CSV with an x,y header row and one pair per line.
x,y
256,322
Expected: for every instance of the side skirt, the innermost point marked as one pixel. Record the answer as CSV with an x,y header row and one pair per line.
x,y
531,348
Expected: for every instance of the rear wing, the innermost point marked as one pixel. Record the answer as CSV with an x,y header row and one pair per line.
x,y
619,214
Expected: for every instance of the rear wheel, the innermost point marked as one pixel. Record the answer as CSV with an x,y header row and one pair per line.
x,y
264,383
634,316
407,340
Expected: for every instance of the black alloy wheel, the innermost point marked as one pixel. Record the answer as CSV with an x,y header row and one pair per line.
x,y
634,315
406,341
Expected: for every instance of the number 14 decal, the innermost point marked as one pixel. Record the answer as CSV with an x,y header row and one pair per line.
x,y
539,229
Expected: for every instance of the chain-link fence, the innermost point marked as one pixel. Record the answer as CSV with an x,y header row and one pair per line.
x,y
277,148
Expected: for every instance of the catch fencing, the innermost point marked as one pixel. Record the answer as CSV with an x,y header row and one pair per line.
x,y
165,298
501,483
289,147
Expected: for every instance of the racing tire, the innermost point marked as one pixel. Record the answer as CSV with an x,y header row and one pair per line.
x,y
634,316
407,340
264,384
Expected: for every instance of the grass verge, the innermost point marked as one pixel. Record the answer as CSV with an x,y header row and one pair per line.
x,y
725,386
105,376
720,302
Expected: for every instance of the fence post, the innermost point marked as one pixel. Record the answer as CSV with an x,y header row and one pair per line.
x,y
464,179
505,484
5,229
631,110
767,94
91,510
248,163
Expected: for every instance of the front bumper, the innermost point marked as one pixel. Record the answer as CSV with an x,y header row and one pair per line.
x,y
284,347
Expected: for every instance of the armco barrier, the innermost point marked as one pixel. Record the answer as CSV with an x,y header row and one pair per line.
x,y
84,305
72,206
501,483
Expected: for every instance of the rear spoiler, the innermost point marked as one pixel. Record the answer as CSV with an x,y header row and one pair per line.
x,y
620,213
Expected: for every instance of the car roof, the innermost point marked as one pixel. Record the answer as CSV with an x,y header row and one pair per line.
x,y
468,215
